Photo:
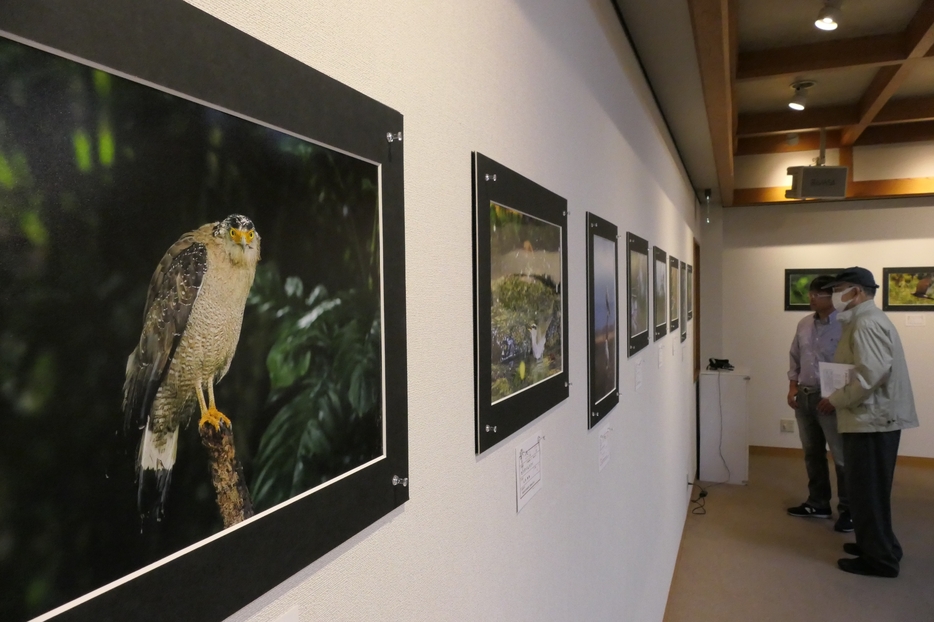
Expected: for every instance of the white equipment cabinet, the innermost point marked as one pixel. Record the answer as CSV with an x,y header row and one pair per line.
x,y
724,442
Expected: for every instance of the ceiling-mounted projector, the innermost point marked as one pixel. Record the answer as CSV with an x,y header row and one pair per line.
x,y
817,182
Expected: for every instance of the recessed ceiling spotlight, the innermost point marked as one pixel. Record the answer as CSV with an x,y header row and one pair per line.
x,y
829,16
799,100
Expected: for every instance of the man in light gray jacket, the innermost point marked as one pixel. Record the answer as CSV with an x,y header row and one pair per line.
x,y
872,410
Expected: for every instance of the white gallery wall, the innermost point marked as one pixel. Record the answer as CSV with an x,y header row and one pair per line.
x,y
759,243
551,89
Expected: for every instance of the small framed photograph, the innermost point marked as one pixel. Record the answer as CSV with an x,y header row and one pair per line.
x,y
684,301
908,289
637,292
660,275
797,282
520,310
690,292
674,293
603,318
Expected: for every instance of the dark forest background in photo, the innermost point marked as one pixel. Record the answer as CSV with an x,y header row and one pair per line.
x,y
98,177
797,283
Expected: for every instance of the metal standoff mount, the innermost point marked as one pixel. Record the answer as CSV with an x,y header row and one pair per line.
x,y
490,177
397,137
491,428
396,480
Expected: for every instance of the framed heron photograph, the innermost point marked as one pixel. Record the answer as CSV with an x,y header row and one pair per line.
x,y
603,318
674,293
683,280
690,292
908,289
520,306
660,285
797,282
197,248
637,292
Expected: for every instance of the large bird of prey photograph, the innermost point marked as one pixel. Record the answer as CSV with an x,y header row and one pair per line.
x,y
191,326
141,337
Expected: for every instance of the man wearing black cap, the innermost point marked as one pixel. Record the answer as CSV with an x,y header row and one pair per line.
x,y
815,341
872,410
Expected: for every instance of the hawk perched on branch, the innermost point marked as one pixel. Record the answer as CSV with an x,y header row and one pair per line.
x,y
191,325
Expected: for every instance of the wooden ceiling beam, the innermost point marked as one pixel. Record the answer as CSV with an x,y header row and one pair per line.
x,y
764,123
839,54
713,22
908,109
869,189
919,39
897,133
778,143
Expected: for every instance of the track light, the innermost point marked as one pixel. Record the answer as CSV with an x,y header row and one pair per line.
x,y
828,17
799,100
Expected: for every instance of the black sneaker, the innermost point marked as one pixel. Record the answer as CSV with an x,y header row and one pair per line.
x,y
851,548
806,510
844,524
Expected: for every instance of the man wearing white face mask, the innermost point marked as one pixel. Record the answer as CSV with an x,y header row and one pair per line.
x,y
872,410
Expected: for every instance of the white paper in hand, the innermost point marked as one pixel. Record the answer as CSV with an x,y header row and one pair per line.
x,y
833,376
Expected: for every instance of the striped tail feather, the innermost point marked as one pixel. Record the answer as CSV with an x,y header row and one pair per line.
x,y
156,459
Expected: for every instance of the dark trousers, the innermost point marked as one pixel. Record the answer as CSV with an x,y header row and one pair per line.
x,y
870,467
817,432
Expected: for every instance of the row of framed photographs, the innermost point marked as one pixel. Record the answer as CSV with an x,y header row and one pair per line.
x,y
903,289
521,306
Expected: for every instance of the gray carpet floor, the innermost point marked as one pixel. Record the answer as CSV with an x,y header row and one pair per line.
x,y
746,559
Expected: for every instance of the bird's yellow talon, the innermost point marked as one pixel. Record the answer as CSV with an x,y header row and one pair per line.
x,y
214,417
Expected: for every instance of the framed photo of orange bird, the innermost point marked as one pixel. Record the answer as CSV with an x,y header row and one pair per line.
x,y
908,289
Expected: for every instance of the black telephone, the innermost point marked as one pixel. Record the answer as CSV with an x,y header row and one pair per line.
x,y
718,364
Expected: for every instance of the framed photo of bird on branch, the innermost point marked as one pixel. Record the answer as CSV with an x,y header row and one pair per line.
x,y
520,304
637,292
660,274
674,293
203,266
908,289
603,318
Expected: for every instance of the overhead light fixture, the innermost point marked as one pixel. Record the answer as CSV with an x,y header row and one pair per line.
x,y
799,100
829,16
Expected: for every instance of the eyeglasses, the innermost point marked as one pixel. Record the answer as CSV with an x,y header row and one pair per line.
x,y
818,295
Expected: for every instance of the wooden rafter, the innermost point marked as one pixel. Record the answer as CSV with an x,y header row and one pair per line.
x,y
713,23
785,121
872,189
839,54
919,39
778,143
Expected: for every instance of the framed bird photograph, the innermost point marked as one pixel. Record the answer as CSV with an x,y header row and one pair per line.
x,y
520,306
908,289
637,292
603,318
797,283
684,301
199,235
660,274
674,293
690,292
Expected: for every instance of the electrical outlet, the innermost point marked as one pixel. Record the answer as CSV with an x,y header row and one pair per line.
x,y
788,426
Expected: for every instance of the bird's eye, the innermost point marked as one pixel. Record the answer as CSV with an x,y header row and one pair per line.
x,y
233,233
249,236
